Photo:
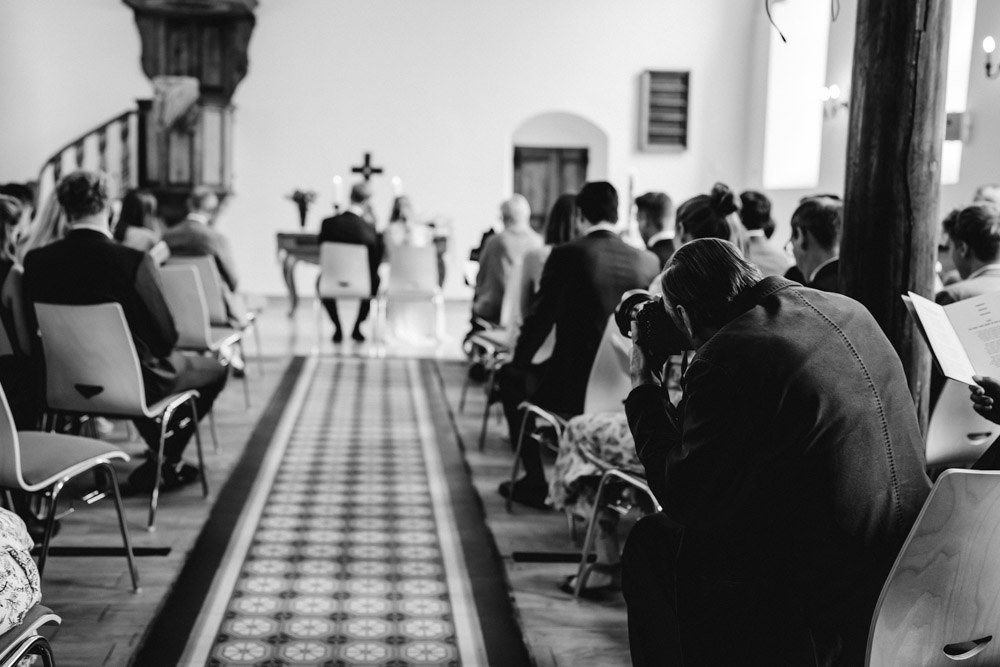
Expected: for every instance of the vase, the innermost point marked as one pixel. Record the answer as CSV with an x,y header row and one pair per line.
x,y
303,210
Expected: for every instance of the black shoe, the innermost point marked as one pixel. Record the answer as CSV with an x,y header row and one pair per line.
x,y
358,336
338,336
142,479
176,475
36,529
532,494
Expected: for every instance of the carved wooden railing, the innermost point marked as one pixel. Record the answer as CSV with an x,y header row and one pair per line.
x,y
112,147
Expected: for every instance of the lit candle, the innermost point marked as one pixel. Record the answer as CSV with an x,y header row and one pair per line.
x,y
397,185
989,45
338,185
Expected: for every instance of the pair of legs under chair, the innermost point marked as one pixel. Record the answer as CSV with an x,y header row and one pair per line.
x,y
338,334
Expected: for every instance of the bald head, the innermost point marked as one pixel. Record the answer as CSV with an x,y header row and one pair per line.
x,y
515,211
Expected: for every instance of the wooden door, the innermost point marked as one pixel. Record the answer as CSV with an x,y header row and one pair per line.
x,y
542,174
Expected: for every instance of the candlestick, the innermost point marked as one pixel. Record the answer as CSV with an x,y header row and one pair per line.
x,y
338,186
397,186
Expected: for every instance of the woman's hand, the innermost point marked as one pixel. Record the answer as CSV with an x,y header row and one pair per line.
x,y
986,397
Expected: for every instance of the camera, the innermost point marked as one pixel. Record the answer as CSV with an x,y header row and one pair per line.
x,y
656,333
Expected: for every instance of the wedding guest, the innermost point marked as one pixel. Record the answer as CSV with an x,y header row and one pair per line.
x,y
712,216
501,254
755,213
16,370
48,225
196,234
138,226
655,215
815,242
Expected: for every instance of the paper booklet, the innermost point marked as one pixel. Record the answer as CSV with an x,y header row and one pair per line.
x,y
963,336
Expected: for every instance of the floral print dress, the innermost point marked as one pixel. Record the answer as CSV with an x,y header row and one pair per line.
x,y
20,588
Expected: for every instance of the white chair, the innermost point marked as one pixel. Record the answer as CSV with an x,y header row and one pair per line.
x,y
345,273
36,462
20,645
412,276
92,368
941,601
956,435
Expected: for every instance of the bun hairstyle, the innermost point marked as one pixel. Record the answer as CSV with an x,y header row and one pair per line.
x,y
704,216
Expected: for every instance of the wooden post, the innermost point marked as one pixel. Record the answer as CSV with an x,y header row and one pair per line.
x,y
897,124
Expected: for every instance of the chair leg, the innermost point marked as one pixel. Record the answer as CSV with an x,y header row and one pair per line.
x,y
246,379
260,350
588,543
123,525
8,500
516,467
154,499
50,524
490,382
201,456
465,390
211,429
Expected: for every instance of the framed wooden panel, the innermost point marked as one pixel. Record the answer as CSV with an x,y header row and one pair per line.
x,y
663,121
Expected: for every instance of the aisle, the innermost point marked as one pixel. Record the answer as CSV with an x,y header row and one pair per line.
x,y
347,552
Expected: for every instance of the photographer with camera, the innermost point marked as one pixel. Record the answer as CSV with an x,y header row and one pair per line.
x,y
789,473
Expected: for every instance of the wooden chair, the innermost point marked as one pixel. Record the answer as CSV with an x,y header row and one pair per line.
x,y
19,645
412,276
92,368
941,601
44,463
956,435
345,273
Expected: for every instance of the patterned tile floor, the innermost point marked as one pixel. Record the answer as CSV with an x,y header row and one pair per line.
x,y
346,565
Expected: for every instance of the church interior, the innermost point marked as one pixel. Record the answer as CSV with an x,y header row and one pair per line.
x,y
343,504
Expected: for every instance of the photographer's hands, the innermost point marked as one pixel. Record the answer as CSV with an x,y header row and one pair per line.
x,y
639,369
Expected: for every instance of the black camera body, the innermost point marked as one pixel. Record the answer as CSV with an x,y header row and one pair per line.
x,y
656,333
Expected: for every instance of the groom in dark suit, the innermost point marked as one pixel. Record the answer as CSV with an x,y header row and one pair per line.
x,y
581,284
350,227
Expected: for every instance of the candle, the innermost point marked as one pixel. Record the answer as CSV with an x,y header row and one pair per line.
x,y
397,185
338,185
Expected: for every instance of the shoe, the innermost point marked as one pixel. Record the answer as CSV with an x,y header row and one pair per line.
x,y
358,336
176,475
592,592
338,336
526,493
141,479
239,367
36,529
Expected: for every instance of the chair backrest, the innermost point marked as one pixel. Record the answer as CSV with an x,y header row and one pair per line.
x,y
185,298
91,365
942,598
344,271
211,281
609,381
413,271
10,448
956,434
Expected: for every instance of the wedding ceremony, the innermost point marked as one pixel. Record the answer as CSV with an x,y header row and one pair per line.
x,y
547,333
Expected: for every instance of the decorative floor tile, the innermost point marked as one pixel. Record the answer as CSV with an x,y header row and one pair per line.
x,y
345,567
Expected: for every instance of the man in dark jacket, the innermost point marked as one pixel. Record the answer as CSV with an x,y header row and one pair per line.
x,y
350,227
789,474
88,267
581,284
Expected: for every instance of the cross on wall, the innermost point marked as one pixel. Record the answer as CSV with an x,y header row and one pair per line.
x,y
367,169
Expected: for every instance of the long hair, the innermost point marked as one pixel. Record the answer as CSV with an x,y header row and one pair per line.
x,y
560,227
138,210
49,224
10,217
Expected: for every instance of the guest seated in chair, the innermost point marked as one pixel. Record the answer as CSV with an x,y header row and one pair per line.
x,y
815,243
790,473
138,227
351,227
196,234
88,267
21,588
581,284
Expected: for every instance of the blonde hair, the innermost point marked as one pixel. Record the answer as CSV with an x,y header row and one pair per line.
x,y
49,224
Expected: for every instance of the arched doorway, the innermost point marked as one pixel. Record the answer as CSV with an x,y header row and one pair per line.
x,y
556,152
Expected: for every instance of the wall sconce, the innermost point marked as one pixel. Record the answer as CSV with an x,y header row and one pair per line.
x,y
832,104
989,46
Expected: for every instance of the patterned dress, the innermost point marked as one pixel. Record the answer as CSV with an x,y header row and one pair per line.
x,y
20,588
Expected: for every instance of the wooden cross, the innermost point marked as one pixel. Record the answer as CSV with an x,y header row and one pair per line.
x,y
367,169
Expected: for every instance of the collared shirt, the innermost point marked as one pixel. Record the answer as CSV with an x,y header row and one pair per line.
x,y
756,233
102,229
357,210
198,217
983,269
812,276
665,235
602,227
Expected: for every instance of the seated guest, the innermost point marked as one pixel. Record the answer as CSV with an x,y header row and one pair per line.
x,y
793,467
502,252
48,225
16,372
712,216
88,267
25,194
655,214
196,235
756,216
582,282
974,244
815,243
138,226
21,588
350,227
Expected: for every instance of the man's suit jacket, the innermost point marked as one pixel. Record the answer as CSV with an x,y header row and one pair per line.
x,y
581,284
664,250
769,258
86,268
194,238
986,282
797,472
348,227
826,278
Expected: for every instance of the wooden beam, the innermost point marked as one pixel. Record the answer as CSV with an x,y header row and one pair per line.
x,y
894,168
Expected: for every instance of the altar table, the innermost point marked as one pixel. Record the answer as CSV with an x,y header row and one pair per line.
x,y
295,247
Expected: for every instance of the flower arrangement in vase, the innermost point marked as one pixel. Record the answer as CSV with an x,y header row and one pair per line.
x,y
302,199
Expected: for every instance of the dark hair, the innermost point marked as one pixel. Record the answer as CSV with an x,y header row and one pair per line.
x,y
598,202
10,215
82,193
756,210
22,192
397,208
704,216
657,206
705,276
198,197
823,217
978,226
137,208
559,227
361,192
